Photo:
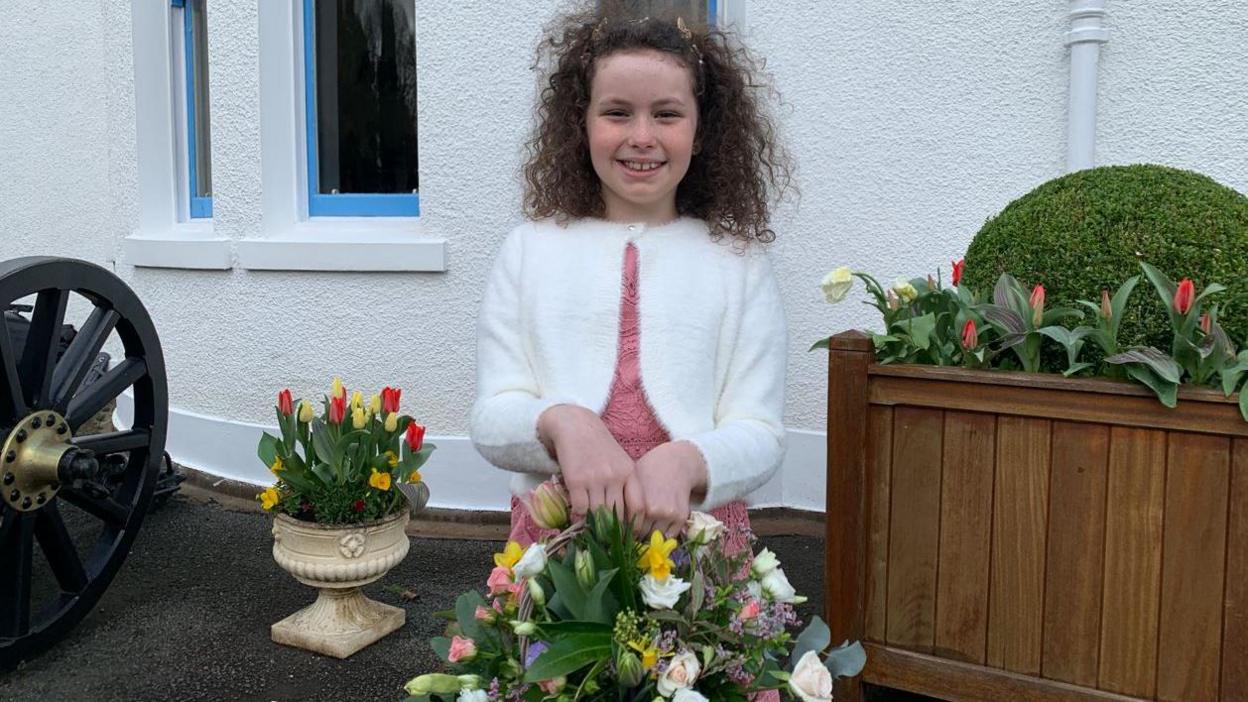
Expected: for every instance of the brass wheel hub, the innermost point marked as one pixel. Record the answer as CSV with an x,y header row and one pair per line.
x,y
30,458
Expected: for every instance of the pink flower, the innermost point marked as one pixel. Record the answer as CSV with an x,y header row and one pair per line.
x,y
498,606
499,581
483,614
749,611
462,649
553,686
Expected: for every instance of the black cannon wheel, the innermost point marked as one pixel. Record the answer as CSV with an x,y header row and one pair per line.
x,y
42,392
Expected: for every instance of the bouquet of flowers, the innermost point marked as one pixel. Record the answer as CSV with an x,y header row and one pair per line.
x,y
594,614
339,466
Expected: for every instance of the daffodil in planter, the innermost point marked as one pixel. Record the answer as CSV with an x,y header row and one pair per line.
x,y
348,479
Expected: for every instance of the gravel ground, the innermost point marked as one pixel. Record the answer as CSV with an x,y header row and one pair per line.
x,y
188,616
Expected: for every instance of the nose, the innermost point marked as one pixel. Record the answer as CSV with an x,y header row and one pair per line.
x,y
642,133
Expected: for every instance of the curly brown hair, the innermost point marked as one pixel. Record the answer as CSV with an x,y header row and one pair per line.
x,y
739,168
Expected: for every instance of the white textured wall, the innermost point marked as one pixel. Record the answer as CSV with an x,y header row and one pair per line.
x,y
912,123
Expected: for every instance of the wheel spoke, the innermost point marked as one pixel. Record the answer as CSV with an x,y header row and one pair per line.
x,y
93,398
106,509
12,404
39,356
81,353
15,551
113,442
59,549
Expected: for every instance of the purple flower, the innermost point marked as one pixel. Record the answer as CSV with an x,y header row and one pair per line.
x,y
535,650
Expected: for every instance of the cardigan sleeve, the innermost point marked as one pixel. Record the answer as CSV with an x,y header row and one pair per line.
x,y
509,399
747,443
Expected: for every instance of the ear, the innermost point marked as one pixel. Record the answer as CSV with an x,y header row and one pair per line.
x,y
697,147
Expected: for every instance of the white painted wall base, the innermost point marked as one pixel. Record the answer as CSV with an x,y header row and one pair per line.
x,y
459,478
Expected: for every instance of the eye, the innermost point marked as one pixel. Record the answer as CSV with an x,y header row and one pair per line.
x,y
669,115
615,113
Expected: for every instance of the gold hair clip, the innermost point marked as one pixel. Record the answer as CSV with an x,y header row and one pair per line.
x,y
684,29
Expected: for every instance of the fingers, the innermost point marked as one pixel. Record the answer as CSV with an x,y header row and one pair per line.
x,y
579,499
615,500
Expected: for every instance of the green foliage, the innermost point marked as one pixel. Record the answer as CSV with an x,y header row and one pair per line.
x,y
1087,231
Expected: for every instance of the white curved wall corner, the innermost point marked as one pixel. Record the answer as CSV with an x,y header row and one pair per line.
x,y
1084,39
457,475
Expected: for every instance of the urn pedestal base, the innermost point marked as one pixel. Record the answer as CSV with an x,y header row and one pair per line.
x,y
339,623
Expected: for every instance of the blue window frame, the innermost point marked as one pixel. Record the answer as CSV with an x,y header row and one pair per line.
x,y
195,67
325,200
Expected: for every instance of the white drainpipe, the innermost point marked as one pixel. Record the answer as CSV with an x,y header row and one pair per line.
x,y
1084,39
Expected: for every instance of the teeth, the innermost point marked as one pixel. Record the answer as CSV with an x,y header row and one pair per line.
x,y
641,166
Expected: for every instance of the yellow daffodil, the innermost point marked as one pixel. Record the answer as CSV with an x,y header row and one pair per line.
x,y
392,458
649,652
357,400
337,390
277,465
654,557
374,404
414,477
381,481
269,499
306,413
358,418
392,422
510,555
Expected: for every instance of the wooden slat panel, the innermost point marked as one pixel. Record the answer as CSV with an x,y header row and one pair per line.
x,y
1020,525
1137,483
966,682
1193,567
1075,553
1235,618
1207,417
914,528
965,536
879,482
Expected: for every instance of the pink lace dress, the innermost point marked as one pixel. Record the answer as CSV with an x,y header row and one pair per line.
x,y
631,421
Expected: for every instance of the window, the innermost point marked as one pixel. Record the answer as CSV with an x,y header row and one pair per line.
x,y
696,11
191,47
360,94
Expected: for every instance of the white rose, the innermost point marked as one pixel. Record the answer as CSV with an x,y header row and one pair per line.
x,y
777,586
764,563
473,696
662,594
755,589
681,673
836,284
811,681
687,695
703,527
532,563
905,290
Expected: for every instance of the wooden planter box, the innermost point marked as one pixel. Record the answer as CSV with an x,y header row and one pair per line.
x,y
1011,536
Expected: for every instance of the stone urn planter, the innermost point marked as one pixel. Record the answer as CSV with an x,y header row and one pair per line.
x,y
338,560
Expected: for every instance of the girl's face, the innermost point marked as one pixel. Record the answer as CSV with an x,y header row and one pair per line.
x,y
641,123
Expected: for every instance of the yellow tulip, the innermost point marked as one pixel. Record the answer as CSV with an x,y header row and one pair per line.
x,y
374,404
510,556
357,400
269,499
381,481
337,390
392,422
358,418
306,413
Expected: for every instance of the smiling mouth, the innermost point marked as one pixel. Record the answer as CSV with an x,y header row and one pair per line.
x,y
641,166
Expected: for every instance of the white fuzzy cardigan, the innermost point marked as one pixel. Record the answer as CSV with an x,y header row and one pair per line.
x,y
712,350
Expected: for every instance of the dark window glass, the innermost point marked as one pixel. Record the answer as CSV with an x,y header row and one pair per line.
x,y
197,55
366,96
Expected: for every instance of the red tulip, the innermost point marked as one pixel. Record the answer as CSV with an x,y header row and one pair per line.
x,y
970,335
285,404
1206,324
337,409
1184,296
390,399
958,266
415,436
1037,304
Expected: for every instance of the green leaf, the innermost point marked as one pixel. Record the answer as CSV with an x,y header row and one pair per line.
x,y
325,473
1164,366
1076,368
569,655
1166,391
1232,374
267,450
1243,403
555,630
815,637
571,594
1210,289
920,329
1164,286
599,605
1004,319
441,646
820,344
322,443
1118,303
465,613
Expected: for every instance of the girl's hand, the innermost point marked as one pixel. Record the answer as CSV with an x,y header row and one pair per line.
x,y
594,467
666,478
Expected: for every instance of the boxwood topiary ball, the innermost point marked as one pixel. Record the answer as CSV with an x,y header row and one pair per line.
x,y
1087,230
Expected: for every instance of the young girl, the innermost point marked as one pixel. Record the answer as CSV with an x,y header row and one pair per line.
x,y
631,335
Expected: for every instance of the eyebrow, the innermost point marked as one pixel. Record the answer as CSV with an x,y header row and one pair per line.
x,y
665,102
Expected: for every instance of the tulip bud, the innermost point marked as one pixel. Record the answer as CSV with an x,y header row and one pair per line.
x,y
337,409
1206,323
892,300
415,437
337,390
536,592
436,683
1184,296
284,403
1037,305
471,682
524,628
958,267
628,668
306,413
358,418
357,399
931,282
970,336
1107,308
586,574
374,404
548,506
392,422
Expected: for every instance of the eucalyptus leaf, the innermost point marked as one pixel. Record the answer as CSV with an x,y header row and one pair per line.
x,y
815,637
846,660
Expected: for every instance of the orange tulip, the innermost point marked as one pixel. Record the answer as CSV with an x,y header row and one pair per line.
x,y
1184,296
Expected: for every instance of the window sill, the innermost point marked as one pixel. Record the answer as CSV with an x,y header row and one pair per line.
x,y
372,244
185,245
